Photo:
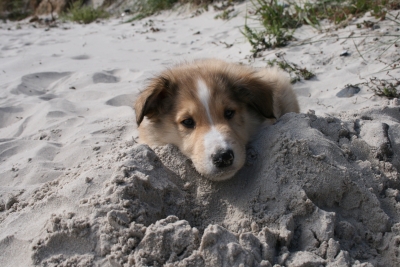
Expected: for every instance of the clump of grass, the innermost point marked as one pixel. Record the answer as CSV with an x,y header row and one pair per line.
x,y
145,8
149,7
14,9
256,39
306,14
305,73
338,11
225,15
295,72
279,20
278,23
84,14
384,87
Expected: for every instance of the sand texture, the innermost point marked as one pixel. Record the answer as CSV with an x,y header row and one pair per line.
x,y
319,188
315,191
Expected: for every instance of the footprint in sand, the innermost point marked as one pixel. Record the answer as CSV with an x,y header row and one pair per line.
x,y
37,83
81,57
56,114
221,35
104,77
10,115
122,100
48,97
52,42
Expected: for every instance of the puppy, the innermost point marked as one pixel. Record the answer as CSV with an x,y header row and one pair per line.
x,y
210,110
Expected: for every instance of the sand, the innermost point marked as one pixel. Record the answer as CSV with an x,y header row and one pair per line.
x,y
320,188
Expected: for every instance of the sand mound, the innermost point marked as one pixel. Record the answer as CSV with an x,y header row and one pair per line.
x,y
316,191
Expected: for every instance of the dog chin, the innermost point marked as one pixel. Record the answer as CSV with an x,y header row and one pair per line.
x,y
221,175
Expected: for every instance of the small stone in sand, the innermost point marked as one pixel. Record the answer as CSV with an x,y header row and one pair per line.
x,y
348,91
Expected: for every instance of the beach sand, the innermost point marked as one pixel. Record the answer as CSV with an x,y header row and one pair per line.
x,y
320,188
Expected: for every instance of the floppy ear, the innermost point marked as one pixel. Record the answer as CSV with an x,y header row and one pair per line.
x,y
150,101
257,94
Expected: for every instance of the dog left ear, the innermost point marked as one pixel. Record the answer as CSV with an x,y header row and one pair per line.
x,y
257,94
151,101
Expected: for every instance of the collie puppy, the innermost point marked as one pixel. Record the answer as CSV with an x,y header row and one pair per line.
x,y
210,110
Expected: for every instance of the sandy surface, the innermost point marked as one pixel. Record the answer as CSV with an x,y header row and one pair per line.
x,y
319,188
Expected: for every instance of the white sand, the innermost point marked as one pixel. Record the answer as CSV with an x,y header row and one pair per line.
x,y
76,190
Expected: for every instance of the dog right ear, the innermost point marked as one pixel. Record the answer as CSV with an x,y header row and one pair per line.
x,y
256,93
150,101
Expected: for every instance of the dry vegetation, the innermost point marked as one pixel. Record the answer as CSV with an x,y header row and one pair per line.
x,y
279,19
76,10
15,9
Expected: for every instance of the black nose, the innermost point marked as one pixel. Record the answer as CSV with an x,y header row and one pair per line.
x,y
223,158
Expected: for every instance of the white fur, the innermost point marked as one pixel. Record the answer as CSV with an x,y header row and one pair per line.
x,y
204,96
213,141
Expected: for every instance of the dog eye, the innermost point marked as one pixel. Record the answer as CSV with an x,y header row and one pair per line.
x,y
188,123
229,114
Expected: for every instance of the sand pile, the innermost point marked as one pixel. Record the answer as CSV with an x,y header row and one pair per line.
x,y
316,191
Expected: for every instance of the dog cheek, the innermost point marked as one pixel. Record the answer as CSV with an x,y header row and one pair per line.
x,y
239,139
240,128
192,147
201,164
241,157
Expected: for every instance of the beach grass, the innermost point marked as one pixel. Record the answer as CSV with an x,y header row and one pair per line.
x,y
278,20
295,71
278,24
384,87
14,9
145,8
340,10
153,6
81,13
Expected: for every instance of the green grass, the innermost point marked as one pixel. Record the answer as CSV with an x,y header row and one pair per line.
x,y
149,7
278,26
278,23
81,13
145,8
338,11
256,39
279,20
296,73
225,15
389,88
14,9
385,88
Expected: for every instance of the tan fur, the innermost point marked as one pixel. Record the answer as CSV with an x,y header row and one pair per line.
x,y
256,97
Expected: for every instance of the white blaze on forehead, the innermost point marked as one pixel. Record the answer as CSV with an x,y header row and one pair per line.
x,y
214,140
204,96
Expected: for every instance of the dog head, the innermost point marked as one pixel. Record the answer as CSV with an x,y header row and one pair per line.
x,y
209,109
